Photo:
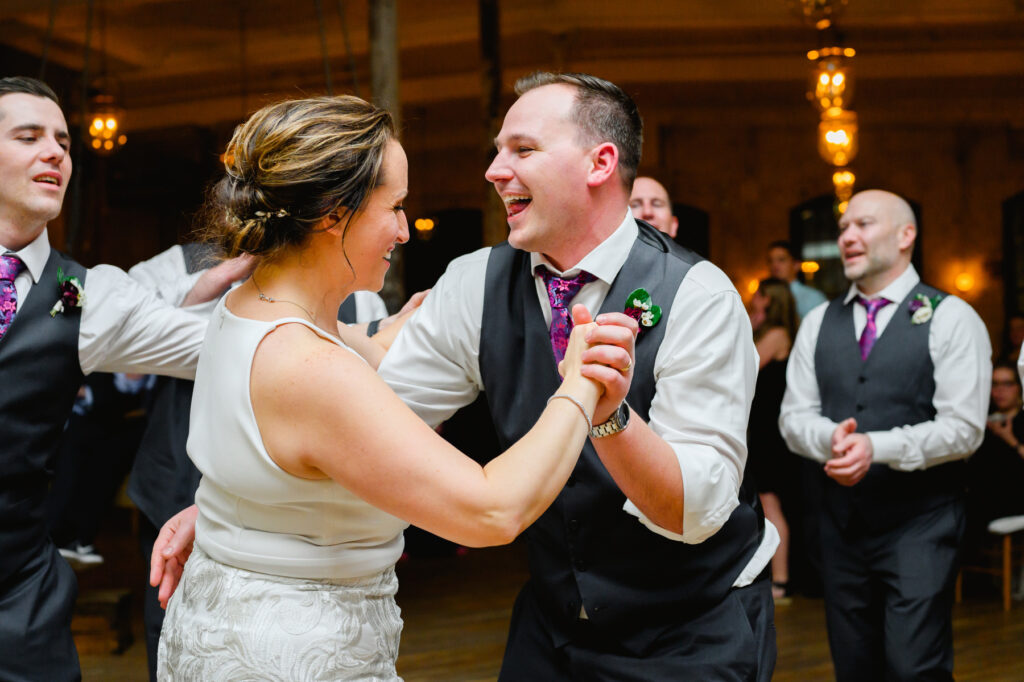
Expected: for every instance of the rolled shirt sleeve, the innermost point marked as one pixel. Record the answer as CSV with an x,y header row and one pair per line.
x,y
128,328
960,350
705,370
434,363
801,423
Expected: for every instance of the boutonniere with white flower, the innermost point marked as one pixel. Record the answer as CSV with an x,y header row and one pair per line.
x,y
71,293
922,307
641,308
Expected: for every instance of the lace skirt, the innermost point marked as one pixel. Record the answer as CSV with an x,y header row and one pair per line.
x,y
226,623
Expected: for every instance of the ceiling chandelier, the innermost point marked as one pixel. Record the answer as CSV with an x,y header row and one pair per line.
x,y
831,93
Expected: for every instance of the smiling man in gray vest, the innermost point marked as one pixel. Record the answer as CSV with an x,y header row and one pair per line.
x,y
58,322
888,387
647,565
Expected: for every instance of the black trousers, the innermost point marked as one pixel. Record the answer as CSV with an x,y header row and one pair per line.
x,y
35,621
734,640
889,596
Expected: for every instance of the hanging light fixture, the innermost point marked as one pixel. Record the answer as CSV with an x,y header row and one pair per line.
x,y
837,136
831,93
819,13
831,82
106,118
105,123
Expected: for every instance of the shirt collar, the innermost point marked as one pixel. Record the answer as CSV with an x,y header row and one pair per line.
x,y
605,261
35,255
895,292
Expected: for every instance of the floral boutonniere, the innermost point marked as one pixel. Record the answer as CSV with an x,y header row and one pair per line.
x,y
640,307
71,294
922,307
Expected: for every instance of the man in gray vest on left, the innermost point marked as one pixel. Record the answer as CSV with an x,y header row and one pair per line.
x,y
58,322
887,387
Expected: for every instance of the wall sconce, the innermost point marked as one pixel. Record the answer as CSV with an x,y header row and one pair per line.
x,y
837,136
424,228
964,282
809,267
106,120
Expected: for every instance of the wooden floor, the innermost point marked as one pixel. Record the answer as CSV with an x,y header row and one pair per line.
x,y
456,613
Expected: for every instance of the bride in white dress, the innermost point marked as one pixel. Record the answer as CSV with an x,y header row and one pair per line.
x,y
311,466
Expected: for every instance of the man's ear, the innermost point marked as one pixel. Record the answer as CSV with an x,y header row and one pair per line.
x,y
604,160
673,227
907,235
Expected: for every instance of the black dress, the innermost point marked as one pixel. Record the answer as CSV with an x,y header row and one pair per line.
x,y
773,466
995,485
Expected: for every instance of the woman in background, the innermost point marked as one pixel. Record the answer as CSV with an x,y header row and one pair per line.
x,y
996,469
774,468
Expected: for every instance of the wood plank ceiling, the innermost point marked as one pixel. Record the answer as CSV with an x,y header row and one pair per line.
x,y
209,61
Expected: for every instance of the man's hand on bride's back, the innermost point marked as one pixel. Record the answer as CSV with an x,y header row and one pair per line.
x,y
609,360
171,550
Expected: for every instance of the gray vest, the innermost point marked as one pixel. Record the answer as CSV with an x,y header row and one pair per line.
x,y
40,374
585,548
893,387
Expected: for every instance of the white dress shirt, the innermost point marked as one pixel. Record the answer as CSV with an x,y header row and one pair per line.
x,y
167,276
125,327
959,347
705,369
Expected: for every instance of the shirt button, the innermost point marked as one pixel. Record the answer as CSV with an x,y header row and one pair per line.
x,y
580,565
574,525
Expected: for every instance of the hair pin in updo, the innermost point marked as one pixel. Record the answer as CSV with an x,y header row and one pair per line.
x,y
279,213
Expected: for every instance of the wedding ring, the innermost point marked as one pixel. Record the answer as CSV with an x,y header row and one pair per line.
x,y
629,365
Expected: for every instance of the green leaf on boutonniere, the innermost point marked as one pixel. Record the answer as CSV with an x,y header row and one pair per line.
x,y
641,308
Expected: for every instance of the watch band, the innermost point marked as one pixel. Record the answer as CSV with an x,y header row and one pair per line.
x,y
616,423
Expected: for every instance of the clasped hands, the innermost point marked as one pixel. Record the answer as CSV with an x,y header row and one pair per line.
x,y
602,350
607,360
852,454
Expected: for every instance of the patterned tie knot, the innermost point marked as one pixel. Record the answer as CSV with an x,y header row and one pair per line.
x,y
561,291
10,267
873,305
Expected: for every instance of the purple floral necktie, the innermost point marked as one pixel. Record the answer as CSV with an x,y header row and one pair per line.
x,y
560,295
870,333
10,266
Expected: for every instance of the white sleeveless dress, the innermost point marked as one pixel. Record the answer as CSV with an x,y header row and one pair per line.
x,y
290,579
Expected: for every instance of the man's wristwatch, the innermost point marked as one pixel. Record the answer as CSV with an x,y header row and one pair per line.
x,y
617,422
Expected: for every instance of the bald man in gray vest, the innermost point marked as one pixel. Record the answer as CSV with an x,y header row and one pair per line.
x,y
888,388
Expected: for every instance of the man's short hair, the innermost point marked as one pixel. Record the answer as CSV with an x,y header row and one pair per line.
x,y
25,85
786,246
602,112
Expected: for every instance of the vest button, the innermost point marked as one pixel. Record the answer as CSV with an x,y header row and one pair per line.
x,y
574,525
860,408
861,379
570,608
580,565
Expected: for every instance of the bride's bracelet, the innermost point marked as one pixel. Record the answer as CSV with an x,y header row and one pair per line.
x,y
577,403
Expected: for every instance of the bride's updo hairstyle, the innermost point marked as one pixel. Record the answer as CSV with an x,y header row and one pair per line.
x,y
291,165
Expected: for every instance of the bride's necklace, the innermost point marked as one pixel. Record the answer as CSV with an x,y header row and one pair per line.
x,y
268,299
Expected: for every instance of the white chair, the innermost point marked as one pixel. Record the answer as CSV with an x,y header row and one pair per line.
x,y
1005,527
